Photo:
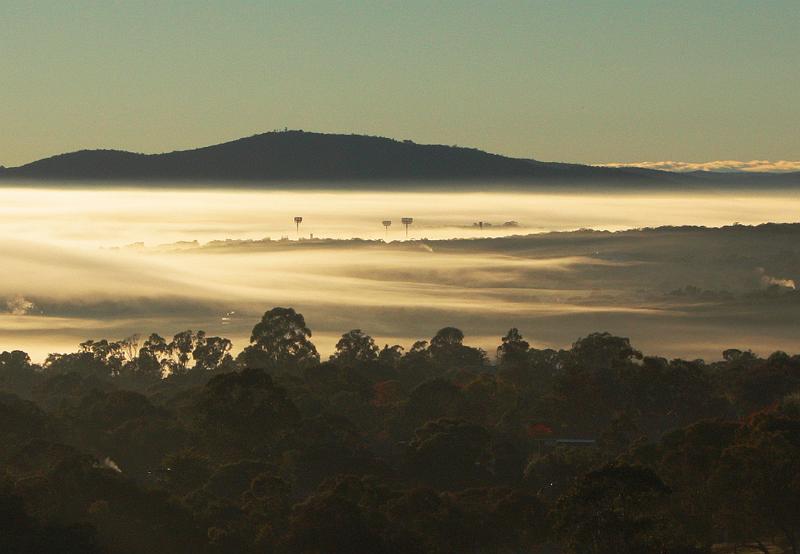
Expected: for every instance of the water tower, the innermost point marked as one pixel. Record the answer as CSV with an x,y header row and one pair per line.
x,y
386,224
407,221
297,221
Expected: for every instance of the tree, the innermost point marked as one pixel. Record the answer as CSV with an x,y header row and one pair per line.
x,y
185,471
550,474
22,534
323,446
534,372
280,342
416,364
355,348
604,351
495,520
181,348
447,338
430,400
17,374
339,519
514,350
110,354
760,383
267,502
686,459
757,481
619,435
20,421
448,351
418,350
449,453
99,358
212,354
242,412
390,356
617,509
153,358
500,520
597,375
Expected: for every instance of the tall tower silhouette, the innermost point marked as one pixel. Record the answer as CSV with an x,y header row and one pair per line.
x,y
407,221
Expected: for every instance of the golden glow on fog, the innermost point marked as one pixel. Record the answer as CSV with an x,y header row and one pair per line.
x,y
55,247
94,217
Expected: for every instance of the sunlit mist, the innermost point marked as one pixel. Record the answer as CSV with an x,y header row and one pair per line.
x,y
81,263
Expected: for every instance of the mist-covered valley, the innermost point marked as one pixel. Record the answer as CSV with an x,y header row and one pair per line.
x,y
92,263
399,277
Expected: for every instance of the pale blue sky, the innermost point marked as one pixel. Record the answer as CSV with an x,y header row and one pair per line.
x,y
574,81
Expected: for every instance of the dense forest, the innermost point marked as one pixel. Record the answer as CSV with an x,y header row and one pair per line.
x,y
177,445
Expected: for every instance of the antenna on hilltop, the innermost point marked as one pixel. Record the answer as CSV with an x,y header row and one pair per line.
x,y
407,221
297,221
386,224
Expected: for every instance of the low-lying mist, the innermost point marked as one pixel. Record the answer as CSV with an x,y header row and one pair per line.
x,y
118,216
83,264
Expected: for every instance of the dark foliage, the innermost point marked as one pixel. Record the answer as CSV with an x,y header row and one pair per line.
x,y
175,446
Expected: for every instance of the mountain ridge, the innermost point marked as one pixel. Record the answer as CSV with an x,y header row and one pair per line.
x,y
297,156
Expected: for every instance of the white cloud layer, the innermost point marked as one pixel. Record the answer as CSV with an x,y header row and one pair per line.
x,y
760,166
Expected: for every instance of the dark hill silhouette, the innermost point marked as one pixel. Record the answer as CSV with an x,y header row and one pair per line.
x,y
303,156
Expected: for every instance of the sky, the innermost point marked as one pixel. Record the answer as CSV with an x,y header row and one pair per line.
x,y
588,82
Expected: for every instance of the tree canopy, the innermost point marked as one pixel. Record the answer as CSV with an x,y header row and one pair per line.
x,y
182,445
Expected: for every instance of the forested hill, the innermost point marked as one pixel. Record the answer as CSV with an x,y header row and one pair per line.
x,y
298,155
304,156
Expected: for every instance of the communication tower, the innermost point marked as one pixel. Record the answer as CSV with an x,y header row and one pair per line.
x,y
407,221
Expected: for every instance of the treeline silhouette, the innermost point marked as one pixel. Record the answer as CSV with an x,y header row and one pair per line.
x,y
178,446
